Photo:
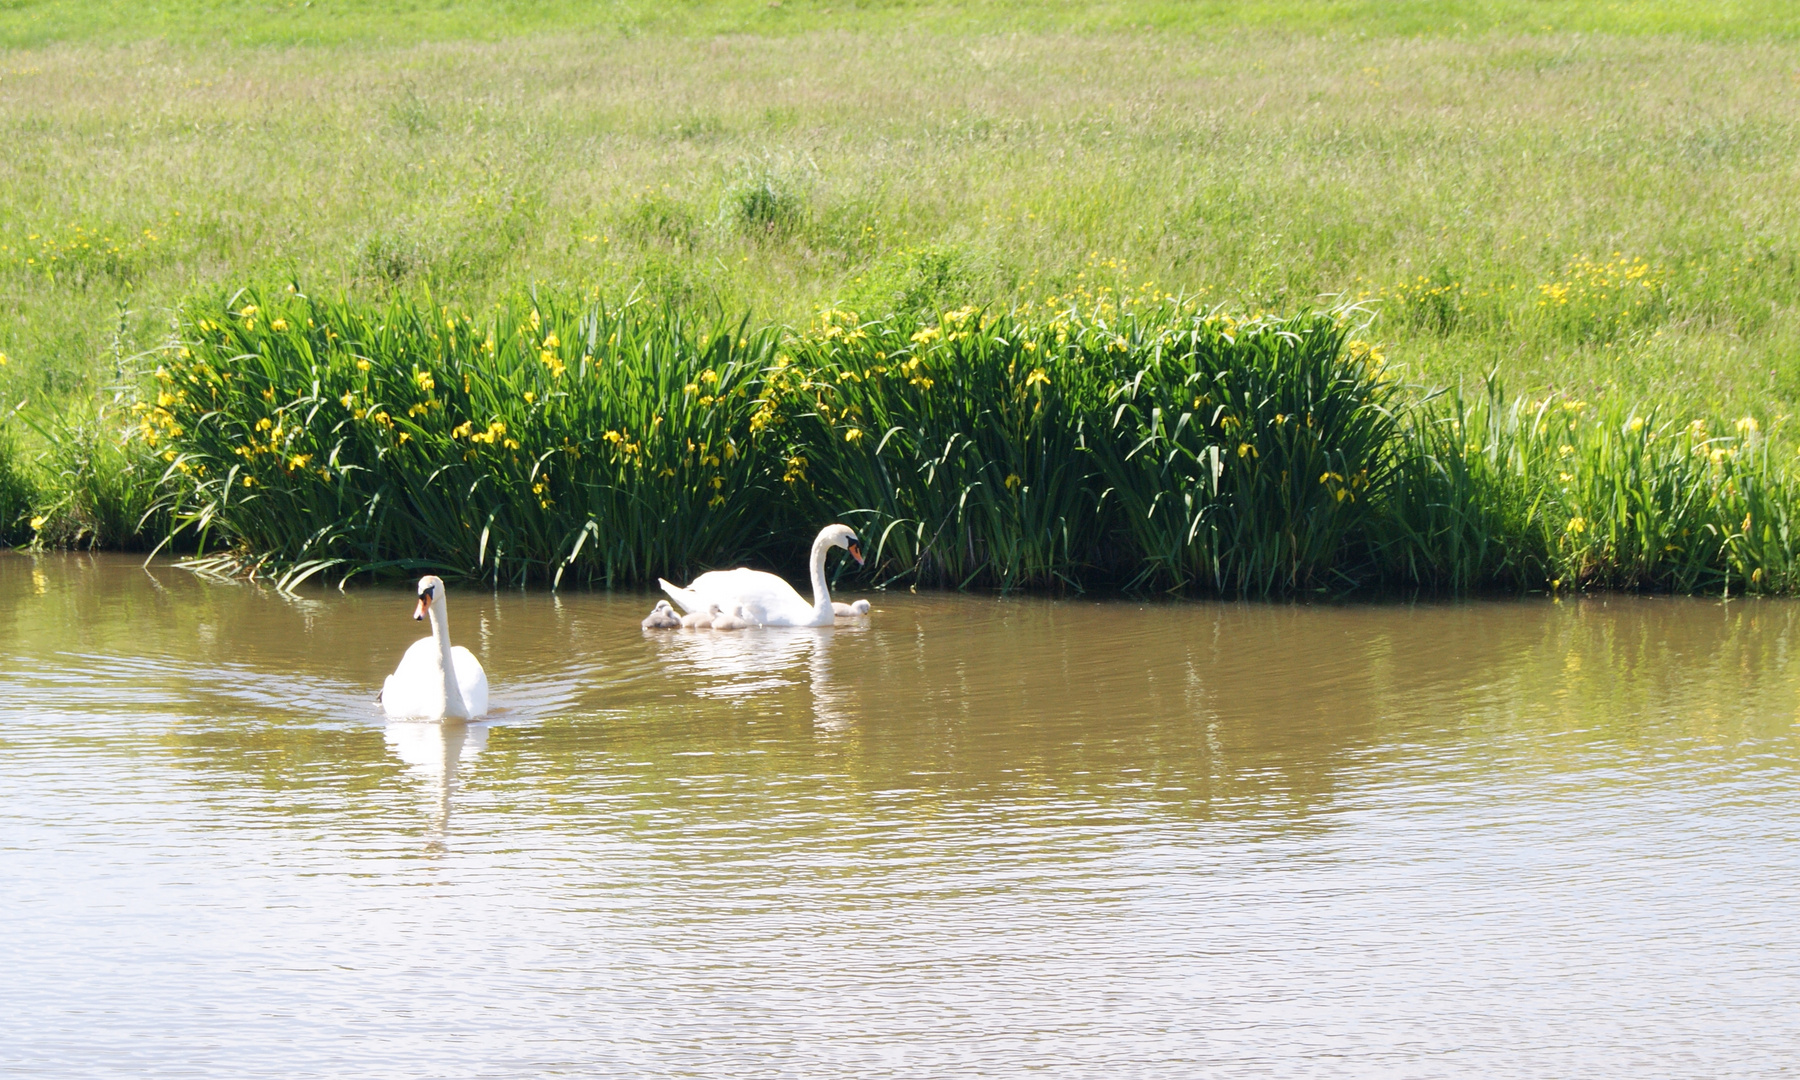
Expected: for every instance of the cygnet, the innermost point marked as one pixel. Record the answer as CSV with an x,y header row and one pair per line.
x,y
730,620
700,620
849,611
662,617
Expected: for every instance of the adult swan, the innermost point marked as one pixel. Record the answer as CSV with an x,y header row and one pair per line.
x,y
435,680
764,599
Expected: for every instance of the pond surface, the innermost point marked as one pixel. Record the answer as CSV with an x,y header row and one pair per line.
x,y
973,837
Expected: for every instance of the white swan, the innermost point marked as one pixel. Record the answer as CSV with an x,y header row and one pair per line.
x,y
764,599
661,617
435,680
851,610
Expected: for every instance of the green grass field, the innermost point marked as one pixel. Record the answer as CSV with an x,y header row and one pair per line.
x,y
1588,198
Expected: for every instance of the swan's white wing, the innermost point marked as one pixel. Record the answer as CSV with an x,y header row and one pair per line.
x,y
765,598
414,688
471,680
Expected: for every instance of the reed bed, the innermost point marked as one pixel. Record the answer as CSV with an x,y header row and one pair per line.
x,y
1158,446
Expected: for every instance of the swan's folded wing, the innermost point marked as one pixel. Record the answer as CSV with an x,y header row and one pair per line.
x,y
689,601
471,680
413,689
765,598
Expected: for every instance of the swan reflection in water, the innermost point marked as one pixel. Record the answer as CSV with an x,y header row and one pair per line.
x,y
432,751
763,662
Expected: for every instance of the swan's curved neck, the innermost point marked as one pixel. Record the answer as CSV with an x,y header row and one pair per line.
x,y
440,629
821,595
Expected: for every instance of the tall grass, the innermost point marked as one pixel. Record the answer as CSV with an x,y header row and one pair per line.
x,y
16,493
1153,447
540,439
1526,492
959,446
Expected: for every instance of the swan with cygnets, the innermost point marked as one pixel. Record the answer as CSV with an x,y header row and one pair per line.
x,y
759,598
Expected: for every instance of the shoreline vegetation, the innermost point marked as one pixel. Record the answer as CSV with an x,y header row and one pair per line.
x,y
1575,213
1143,443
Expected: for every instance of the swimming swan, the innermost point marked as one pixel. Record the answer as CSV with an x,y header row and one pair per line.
x,y
764,599
435,680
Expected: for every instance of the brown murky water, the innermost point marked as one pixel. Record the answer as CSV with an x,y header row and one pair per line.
x,y
974,837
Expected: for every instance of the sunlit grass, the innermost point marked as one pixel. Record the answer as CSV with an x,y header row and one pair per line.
x,y
1455,182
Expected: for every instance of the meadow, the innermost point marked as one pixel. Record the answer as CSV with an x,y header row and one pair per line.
x,y
1589,203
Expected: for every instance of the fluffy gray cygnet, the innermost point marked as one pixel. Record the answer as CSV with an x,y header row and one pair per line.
x,y
730,620
849,611
662,617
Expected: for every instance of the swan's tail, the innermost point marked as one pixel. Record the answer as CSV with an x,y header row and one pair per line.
x,y
685,599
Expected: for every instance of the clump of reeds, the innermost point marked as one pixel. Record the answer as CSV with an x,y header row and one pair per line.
x,y
537,440
1164,447
17,493
1556,491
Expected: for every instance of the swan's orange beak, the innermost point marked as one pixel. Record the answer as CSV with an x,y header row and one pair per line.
x,y
856,552
424,603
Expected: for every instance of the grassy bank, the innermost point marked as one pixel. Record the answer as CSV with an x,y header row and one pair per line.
x,y
1589,199
1597,207
1147,444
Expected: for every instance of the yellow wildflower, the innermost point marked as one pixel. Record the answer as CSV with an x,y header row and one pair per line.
x,y
1747,426
1578,524
1037,376
362,365
1636,425
347,400
1013,481
530,397
425,381
853,435
298,461
279,325
249,481
37,523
